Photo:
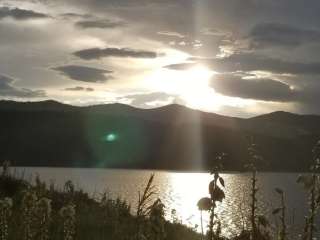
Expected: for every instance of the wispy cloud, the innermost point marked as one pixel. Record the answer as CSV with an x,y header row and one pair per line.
x,y
20,14
252,62
8,90
102,23
171,34
78,88
150,99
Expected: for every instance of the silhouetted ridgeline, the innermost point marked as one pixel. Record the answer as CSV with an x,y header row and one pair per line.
x,y
173,137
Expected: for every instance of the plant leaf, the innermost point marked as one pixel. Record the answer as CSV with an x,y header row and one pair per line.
x,y
204,204
278,190
276,211
263,221
221,181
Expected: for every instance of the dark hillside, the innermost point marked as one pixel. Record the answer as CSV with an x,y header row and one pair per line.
x,y
172,137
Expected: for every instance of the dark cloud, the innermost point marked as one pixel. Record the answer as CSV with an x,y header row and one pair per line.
x,y
97,53
253,88
8,90
105,23
78,88
278,34
84,74
252,62
20,14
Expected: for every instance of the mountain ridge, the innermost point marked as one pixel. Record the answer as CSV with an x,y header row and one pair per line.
x,y
173,106
173,137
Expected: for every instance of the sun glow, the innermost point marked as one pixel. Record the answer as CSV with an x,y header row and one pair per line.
x,y
196,90
191,85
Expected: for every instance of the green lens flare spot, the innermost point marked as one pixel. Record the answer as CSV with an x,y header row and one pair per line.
x,y
110,137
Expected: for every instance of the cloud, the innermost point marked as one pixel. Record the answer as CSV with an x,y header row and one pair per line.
x,y
20,14
78,88
216,32
75,15
225,29
8,90
171,34
97,53
279,34
251,62
84,74
150,99
181,66
102,5
105,23
253,88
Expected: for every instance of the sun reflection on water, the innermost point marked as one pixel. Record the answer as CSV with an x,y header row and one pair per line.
x,y
185,189
189,188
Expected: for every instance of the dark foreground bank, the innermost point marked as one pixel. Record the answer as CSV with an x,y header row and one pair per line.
x,y
44,212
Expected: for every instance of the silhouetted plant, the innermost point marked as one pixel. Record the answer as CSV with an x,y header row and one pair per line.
x,y
40,187
150,214
28,213
174,217
69,190
204,204
43,218
144,206
67,214
157,221
113,211
256,220
242,215
6,168
312,184
263,228
145,198
281,212
5,213
216,195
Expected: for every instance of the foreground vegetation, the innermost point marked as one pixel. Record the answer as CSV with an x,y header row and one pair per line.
x,y
259,226
41,212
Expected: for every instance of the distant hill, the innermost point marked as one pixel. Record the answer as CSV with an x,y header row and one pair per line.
x,y
173,137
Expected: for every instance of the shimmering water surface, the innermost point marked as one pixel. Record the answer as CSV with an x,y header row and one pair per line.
x,y
181,191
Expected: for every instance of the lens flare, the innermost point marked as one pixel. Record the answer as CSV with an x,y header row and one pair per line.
x,y
111,137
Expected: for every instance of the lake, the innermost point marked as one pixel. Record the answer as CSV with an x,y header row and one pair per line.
x,y
182,190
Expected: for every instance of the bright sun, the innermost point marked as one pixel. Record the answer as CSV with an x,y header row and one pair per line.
x,y
192,85
195,79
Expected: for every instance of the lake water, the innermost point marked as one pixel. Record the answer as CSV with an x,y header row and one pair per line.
x,y
181,191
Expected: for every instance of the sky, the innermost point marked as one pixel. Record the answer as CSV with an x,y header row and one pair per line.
x,y
237,57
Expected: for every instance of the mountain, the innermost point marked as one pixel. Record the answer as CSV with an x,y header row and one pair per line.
x,y
173,137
